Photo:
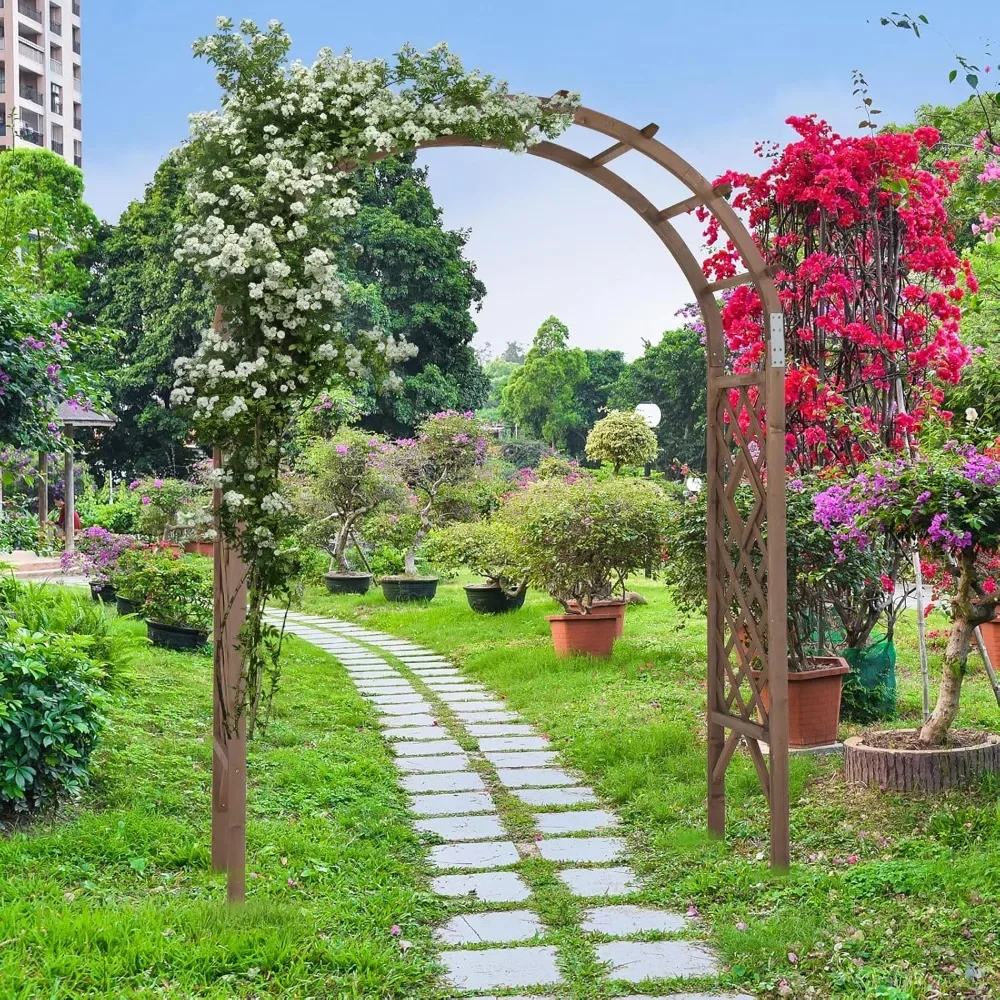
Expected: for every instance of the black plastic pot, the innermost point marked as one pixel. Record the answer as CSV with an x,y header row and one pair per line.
x,y
489,599
401,589
102,592
348,583
126,606
175,636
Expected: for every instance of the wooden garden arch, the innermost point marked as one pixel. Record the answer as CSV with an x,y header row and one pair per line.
x,y
747,585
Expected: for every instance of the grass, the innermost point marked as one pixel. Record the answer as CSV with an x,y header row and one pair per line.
x,y
889,896
114,897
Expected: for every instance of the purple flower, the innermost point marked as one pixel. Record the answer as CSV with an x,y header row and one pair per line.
x,y
146,501
342,449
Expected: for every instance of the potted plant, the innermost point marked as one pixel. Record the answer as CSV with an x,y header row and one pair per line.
x,y
447,453
489,548
98,552
161,504
579,541
341,482
179,606
948,503
134,577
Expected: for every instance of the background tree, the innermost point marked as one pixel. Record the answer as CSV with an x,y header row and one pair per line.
x,y
672,374
513,353
621,438
604,369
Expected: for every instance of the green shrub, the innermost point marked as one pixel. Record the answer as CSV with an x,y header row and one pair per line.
x,y
523,453
621,438
121,518
50,717
490,548
180,594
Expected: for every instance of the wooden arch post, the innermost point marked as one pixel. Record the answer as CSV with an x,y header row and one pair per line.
x,y
747,575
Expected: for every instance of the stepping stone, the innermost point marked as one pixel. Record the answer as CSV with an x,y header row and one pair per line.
x,y
500,968
417,719
506,744
582,850
589,882
487,887
432,765
460,828
409,698
490,928
427,748
492,729
482,717
527,758
410,708
475,854
535,777
463,696
635,961
574,822
453,687
387,685
471,709
451,803
417,733
620,921
373,675
450,781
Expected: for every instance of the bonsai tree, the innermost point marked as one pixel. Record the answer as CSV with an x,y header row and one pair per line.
x,y
621,438
343,481
161,502
580,541
490,548
949,504
447,453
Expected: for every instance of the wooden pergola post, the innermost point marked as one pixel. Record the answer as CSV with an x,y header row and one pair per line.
x,y
43,500
69,497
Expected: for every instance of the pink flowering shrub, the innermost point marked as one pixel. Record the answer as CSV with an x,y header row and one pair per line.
x,y
98,552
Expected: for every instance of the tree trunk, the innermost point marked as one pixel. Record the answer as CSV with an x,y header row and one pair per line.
x,y
340,550
935,729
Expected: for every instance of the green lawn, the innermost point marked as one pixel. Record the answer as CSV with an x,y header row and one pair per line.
x,y
115,897
888,896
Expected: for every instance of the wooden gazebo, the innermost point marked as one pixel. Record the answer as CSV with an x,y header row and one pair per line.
x,y
71,415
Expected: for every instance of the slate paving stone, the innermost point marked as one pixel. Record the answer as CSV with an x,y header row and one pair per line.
x,y
505,927
373,675
475,854
535,777
458,828
621,921
574,822
450,781
417,733
635,961
501,968
463,696
525,758
409,698
492,729
417,719
451,804
384,686
452,686
472,708
427,748
447,673
483,717
593,882
410,708
509,743
582,850
432,765
486,887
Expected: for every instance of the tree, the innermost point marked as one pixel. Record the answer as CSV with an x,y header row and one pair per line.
x,y
672,374
605,368
621,438
513,353
551,336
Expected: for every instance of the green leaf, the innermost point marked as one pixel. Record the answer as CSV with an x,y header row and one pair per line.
x,y
952,76
972,80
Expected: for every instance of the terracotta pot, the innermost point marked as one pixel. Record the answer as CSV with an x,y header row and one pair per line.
x,y
618,609
813,701
592,634
991,640
200,548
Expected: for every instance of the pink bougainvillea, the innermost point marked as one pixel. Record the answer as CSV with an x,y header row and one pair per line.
x,y
858,240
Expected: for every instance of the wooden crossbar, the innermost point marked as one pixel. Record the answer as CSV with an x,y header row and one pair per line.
x,y
731,282
621,148
695,201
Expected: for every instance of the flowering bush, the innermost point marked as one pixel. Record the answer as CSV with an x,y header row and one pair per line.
x,y
859,241
271,185
98,552
490,548
579,541
448,451
343,481
949,504
621,438
161,502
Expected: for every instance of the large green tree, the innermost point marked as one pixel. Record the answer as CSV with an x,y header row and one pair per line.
x,y
672,374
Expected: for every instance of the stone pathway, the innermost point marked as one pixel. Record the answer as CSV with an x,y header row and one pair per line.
x,y
496,941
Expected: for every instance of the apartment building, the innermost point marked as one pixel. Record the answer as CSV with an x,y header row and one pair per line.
x,y
40,79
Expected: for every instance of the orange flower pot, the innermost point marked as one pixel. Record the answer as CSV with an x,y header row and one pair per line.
x,y
991,640
592,635
200,548
616,607
813,701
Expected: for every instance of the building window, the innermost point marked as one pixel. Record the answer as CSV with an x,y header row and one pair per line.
x,y
78,152
57,99
57,139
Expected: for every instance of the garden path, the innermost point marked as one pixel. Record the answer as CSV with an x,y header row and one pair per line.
x,y
479,779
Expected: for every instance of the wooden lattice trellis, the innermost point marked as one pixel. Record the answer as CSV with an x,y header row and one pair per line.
x,y
747,629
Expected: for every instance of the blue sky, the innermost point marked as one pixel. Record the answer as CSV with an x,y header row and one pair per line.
x,y
716,77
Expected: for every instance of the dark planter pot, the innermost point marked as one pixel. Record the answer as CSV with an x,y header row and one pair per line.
x,y
175,636
592,635
402,589
488,599
813,701
102,592
126,606
348,583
